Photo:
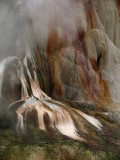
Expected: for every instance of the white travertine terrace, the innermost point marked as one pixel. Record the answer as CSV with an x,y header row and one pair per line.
x,y
58,113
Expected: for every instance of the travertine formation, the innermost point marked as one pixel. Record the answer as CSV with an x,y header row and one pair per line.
x,y
72,52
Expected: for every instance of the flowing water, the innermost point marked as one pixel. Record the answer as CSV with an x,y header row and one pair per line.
x,y
35,100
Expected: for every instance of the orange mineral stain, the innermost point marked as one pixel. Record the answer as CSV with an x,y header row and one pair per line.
x,y
118,3
105,94
90,13
52,46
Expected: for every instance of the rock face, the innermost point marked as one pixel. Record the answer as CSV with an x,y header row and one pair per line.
x,y
82,54
108,13
75,45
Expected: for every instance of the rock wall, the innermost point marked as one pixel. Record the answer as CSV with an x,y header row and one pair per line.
x,y
83,63
75,45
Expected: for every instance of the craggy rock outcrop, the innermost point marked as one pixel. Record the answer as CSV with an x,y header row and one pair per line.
x,y
83,61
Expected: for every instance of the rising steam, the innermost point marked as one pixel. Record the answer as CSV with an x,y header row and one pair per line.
x,y
32,20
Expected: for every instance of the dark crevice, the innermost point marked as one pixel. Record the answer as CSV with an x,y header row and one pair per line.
x,y
98,61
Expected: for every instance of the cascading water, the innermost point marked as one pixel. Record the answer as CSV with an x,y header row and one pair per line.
x,y
35,99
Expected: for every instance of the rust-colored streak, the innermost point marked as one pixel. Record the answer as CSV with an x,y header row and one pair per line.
x,y
52,46
54,42
95,88
105,94
88,76
90,13
94,64
118,3
89,82
79,42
